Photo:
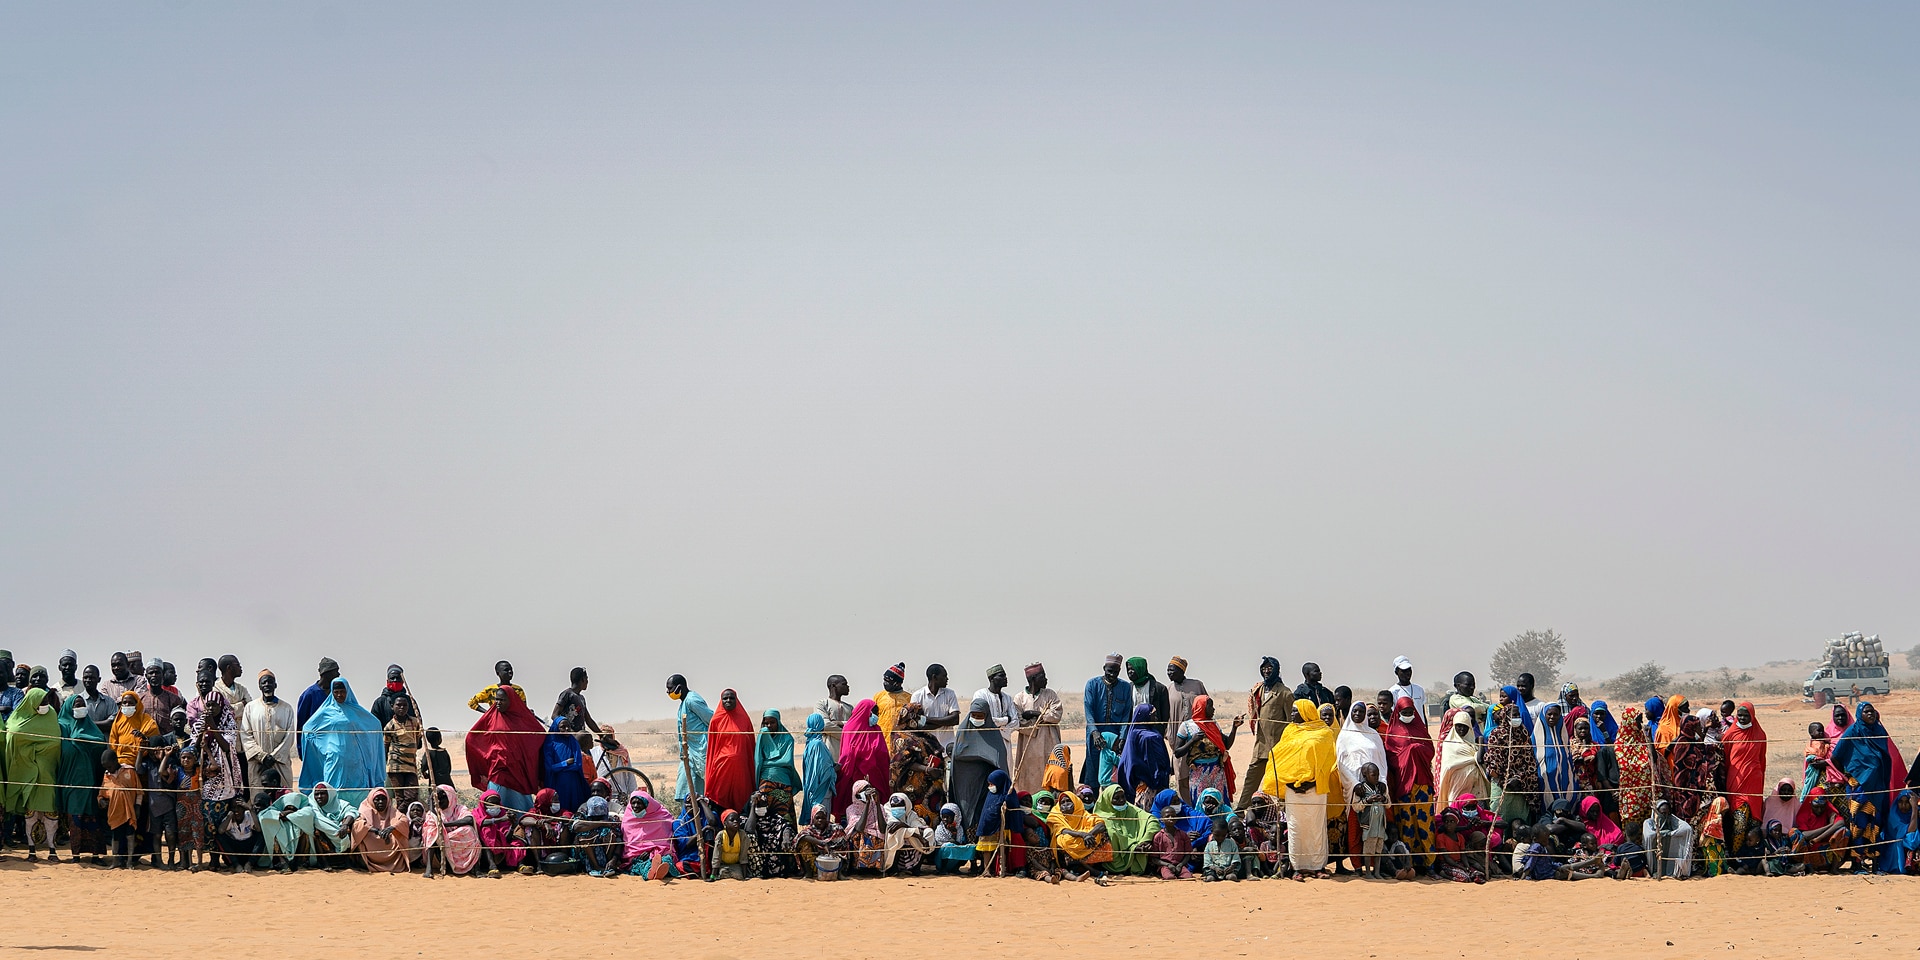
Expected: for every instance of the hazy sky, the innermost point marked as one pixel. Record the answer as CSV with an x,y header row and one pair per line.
x,y
764,342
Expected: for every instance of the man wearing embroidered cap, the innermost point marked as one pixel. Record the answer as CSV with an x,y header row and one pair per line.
x,y
1403,685
1180,693
1039,712
1109,705
1000,708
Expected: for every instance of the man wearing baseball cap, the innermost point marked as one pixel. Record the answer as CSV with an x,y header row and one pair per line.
x,y
1403,685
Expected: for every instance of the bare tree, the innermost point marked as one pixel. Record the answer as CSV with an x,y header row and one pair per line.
x,y
1539,652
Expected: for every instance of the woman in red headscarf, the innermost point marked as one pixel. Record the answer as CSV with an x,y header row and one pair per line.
x,y
730,754
1410,754
503,749
1746,749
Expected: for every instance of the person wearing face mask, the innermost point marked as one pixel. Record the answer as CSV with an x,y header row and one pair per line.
x,y
770,839
978,750
647,828
382,705
267,736
33,764
1410,751
692,717
564,764
730,754
1130,827
907,839
773,767
79,775
504,833
994,853
1745,744
1512,767
1149,690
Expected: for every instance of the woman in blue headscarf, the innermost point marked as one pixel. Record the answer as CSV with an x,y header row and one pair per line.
x,y
821,775
344,746
563,764
1605,728
1556,764
1862,753
1144,767
773,766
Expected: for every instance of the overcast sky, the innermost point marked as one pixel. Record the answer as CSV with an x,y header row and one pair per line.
x,y
764,342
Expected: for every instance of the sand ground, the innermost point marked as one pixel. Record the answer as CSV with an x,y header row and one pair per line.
x,y
353,915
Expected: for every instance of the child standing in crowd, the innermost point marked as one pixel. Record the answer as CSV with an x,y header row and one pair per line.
x,y
1370,795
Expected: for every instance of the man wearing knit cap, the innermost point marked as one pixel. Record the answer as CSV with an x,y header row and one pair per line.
x,y
1109,706
891,700
267,738
1180,693
1039,712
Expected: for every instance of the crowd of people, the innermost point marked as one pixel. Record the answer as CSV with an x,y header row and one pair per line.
x,y
126,770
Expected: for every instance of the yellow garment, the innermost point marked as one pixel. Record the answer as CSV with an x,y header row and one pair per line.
x,y
890,705
1670,722
729,844
1305,752
485,696
1068,814
127,733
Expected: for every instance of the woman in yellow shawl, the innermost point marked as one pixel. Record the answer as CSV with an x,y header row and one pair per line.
x,y
1676,711
1081,839
130,729
1301,771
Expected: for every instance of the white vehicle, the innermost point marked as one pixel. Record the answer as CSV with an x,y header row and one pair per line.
x,y
1852,660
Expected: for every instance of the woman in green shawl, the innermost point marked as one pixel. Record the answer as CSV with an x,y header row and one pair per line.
x,y
332,825
1129,827
79,778
284,824
33,764
773,766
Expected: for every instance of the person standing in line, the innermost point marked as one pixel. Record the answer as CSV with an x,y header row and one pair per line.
x,y
230,686
690,740
1039,711
1000,707
1181,691
892,701
1109,708
267,738
1270,707
1403,686
834,711
939,706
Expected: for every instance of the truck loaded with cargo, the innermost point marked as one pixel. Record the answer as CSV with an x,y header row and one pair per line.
x,y
1852,660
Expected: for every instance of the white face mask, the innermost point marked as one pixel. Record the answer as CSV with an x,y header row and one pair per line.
x,y
759,811
1513,721
897,813
493,809
128,710
43,708
991,787
553,808
1745,724
1406,718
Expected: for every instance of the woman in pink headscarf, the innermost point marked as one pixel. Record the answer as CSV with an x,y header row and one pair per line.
x,y
863,755
447,834
647,829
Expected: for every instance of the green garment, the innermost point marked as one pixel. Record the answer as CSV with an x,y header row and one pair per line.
x,y
33,755
1131,830
80,754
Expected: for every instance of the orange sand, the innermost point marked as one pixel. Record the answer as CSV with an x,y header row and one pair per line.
x,y
352,915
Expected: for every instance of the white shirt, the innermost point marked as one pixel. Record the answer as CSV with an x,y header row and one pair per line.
x,y
837,713
999,706
1414,690
266,729
939,706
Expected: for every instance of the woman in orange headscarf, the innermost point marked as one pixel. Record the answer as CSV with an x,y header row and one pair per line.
x,y
130,729
1670,720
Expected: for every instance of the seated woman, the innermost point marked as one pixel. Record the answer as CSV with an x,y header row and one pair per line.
x,y
908,838
819,836
866,829
597,839
1820,833
1080,843
380,833
450,838
1034,840
1452,860
548,832
770,835
497,826
1130,828
950,849
1170,854
999,814
1669,843
332,827
647,830
286,826
1538,862
1623,857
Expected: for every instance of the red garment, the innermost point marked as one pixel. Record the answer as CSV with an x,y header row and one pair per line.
x,y
1810,819
1409,750
1746,752
730,756
503,746
1211,728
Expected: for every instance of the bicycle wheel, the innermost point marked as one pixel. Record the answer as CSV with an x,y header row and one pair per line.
x,y
625,779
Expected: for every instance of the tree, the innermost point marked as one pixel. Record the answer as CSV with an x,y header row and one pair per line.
x,y
1913,658
1539,652
1639,683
